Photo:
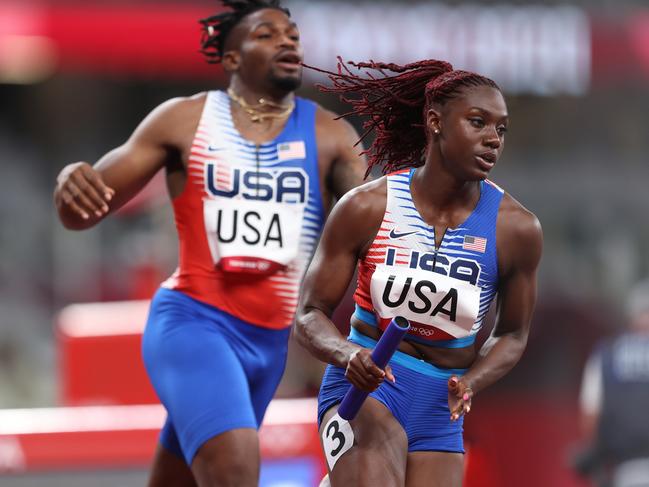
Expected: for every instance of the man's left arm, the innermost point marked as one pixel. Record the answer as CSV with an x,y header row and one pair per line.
x,y
340,145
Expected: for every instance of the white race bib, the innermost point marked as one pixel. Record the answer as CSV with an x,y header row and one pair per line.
x,y
337,438
252,236
428,299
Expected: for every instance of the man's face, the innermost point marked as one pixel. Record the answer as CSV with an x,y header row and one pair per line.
x,y
265,47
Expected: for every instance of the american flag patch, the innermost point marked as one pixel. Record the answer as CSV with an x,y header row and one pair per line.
x,y
291,150
477,244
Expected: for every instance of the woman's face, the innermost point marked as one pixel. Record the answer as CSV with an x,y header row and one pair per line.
x,y
472,132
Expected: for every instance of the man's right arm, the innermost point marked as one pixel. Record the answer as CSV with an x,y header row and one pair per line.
x,y
84,195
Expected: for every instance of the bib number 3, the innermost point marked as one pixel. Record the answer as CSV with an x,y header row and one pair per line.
x,y
337,438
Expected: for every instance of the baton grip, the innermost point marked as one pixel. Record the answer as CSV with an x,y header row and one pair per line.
x,y
381,355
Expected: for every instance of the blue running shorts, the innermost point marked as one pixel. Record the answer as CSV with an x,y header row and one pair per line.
x,y
418,400
212,372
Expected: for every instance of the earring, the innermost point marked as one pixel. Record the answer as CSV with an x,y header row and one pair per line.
x,y
436,131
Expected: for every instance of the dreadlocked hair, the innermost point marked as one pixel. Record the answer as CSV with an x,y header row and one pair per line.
x,y
395,104
216,28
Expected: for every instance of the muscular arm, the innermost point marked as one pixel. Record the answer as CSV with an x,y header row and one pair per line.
x,y
519,252
350,229
85,195
344,166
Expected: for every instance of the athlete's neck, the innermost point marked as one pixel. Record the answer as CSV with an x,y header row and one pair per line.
x,y
442,189
253,96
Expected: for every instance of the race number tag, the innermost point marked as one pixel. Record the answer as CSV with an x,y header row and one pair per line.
x,y
337,438
428,299
253,237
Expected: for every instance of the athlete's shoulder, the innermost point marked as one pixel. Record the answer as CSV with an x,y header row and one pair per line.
x,y
173,122
181,106
329,124
367,194
518,218
357,216
323,113
519,231
364,203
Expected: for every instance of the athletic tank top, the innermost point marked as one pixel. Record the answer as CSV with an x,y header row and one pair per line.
x,y
445,292
249,217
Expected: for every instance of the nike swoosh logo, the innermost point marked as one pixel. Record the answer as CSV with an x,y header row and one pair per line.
x,y
394,234
213,149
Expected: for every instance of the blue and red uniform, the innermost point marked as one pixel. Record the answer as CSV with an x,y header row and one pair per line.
x,y
248,221
444,292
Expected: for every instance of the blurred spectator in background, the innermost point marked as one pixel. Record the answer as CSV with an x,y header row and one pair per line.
x,y
615,400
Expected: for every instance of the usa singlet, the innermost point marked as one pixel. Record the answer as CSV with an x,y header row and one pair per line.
x,y
249,216
445,292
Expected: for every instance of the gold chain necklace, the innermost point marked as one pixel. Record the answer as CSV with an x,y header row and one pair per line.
x,y
257,113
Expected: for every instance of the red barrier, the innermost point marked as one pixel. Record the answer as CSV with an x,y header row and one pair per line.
x,y
126,436
99,354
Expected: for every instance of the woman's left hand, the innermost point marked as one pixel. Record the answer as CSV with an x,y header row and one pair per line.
x,y
459,397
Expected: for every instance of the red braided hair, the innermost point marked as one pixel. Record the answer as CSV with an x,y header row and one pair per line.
x,y
396,105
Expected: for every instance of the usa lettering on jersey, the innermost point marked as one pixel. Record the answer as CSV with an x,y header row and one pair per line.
x,y
253,222
431,290
456,268
280,185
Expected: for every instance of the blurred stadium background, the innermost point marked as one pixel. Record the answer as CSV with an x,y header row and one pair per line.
x,y
75,79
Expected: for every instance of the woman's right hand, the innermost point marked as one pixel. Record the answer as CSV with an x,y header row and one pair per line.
x,y
363,373
459,397
81,190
